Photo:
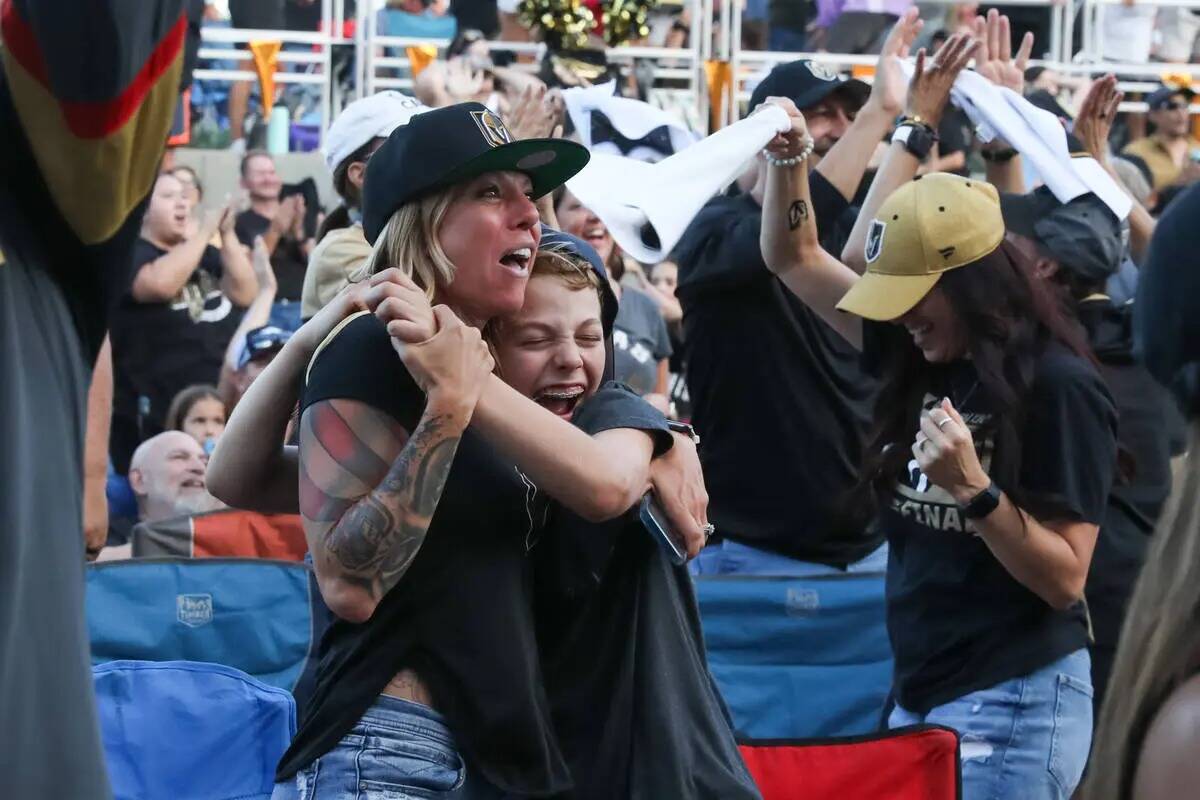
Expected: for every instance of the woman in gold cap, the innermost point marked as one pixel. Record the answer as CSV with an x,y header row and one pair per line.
x,y
990,460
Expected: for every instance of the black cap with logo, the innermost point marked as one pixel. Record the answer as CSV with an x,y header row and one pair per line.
x,y
1165,94
807,83
447,145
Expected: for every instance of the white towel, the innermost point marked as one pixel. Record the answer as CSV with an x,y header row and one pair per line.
x,y
1038,136
631,118
631,196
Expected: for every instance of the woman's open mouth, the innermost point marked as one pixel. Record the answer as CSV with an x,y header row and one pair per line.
x,y
517,260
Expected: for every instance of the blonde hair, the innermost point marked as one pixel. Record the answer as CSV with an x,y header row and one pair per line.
x,y
409,241
1160,642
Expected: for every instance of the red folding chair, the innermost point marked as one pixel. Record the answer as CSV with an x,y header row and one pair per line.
x,y
920,762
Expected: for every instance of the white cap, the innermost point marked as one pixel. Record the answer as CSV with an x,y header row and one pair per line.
x,y
364,119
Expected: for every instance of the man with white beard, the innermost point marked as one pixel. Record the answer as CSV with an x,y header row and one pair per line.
x,y
167,474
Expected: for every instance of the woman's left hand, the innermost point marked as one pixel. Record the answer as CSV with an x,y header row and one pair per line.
x,y
945,452
678,483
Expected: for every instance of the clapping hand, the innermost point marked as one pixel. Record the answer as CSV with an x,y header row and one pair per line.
x,y
532,116
1096,116
934,76
462,82
889,87
995,61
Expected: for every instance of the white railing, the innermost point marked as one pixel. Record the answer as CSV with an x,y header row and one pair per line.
x,y
679,74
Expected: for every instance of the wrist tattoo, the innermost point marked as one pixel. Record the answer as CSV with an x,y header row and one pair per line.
x,y
797,214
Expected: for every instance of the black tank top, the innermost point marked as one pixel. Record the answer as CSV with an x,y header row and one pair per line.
x,y
462,614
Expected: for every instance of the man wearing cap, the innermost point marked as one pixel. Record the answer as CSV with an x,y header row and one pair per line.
x,y
261,345
351,140
779,398
1078,246
1171,153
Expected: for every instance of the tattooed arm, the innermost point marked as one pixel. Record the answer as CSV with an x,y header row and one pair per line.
x,y
790,243
368,490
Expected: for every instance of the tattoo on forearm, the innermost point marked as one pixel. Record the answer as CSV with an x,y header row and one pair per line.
x,y
373,539
797,214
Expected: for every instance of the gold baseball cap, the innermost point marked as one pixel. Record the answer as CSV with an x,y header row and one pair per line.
x,y
933,224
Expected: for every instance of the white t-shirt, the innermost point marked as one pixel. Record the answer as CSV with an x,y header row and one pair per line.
x,y
1127,33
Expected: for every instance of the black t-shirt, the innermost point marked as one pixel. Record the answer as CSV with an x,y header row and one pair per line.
x,y
1149,419
160,349
780,399
288,261
957,619
635,707
461,616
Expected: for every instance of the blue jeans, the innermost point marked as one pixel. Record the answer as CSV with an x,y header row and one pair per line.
x,y
1024,738
786,40
397,750
728,557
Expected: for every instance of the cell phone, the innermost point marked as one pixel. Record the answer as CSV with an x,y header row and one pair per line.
x,y
656,522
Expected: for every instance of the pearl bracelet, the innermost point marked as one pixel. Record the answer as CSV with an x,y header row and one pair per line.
x,y
794,160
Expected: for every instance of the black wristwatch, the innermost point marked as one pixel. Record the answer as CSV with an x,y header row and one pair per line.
x,y
685,429
998,156
916,137
983,503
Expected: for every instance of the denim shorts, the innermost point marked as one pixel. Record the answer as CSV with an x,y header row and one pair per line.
x,y
398,750
1025,738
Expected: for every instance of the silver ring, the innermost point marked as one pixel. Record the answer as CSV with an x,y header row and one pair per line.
x,y
708,530
943,423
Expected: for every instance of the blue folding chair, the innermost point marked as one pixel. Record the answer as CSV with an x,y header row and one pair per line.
x,y
190,731
798,657
260,616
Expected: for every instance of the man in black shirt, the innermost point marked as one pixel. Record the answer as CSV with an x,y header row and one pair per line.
x,y
778,397
279,222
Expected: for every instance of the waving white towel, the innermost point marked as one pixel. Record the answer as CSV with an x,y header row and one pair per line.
x,y
647,207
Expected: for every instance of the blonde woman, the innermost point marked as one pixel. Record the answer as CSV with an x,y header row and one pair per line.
x,y
419,528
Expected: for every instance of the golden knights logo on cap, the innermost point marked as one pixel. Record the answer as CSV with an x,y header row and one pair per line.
x,y
822,71
492,128
874,240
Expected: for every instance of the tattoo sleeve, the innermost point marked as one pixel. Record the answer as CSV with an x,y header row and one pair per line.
x,y
369,491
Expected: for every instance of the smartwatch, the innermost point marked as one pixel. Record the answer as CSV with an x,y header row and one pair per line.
x,y
917,138
983,503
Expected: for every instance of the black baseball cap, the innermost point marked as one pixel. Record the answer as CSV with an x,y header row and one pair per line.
x,y
262,341
1162,95
573,245
447,145
1083,236
807,83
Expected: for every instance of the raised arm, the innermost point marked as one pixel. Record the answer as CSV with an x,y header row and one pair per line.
x,y
368,488
928,92
240,280
996,63
789,240
257,315
251,468
1092,127
158,281
846,162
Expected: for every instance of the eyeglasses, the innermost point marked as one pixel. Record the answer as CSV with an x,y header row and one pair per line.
x,y
1172,105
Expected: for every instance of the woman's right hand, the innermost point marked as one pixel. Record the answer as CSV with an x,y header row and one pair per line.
x,y
451,368
791,142
400,304
932,78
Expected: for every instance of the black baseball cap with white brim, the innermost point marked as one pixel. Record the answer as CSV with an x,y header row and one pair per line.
x,y
449,145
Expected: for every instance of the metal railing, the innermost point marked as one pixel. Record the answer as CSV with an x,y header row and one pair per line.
x,y
679,77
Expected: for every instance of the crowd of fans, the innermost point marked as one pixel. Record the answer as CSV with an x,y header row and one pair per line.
x,y
1003,450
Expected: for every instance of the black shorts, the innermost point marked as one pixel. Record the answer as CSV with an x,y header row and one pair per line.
x,y
262,14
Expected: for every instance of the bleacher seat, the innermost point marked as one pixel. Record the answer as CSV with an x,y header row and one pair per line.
x,y
261,617
228,533
190,731
920,762
798,657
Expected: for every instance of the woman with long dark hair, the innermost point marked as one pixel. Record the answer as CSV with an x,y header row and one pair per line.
x,y
991,457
